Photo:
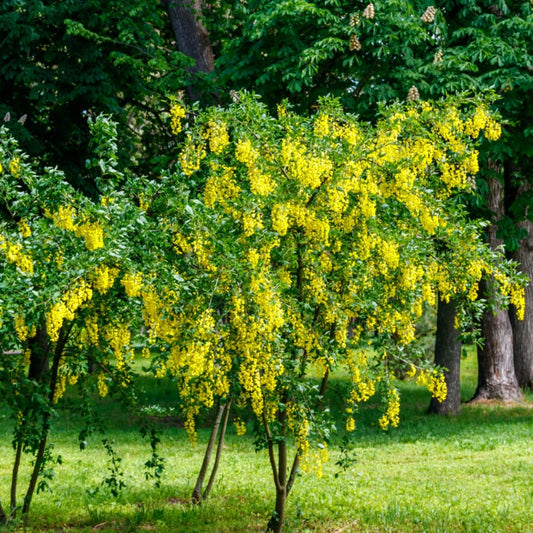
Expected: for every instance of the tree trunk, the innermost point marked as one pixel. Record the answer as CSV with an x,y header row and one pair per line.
x,y
275,524
496,374
191,37
197,494
448,356
39,355
3,516
523,329
219,452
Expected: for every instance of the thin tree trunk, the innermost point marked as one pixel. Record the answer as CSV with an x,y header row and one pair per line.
x,y
220,446
14,478
523,329
197,495
496,374
3,516
39,365
191,36
45,428
39,358
275,523
448,356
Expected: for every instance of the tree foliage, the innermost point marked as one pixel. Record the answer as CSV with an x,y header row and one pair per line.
x,y
64,61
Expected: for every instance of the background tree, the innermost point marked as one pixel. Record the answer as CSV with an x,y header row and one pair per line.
x,y
65,61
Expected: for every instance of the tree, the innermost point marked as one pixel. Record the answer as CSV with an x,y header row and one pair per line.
x,y
448,356
64,61
311,235
62,305
191,38
281,244
483,46
496,375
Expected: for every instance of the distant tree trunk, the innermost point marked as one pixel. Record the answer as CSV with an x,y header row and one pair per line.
x,y
448,356
3,516
39,354
523,329
191,37
496,374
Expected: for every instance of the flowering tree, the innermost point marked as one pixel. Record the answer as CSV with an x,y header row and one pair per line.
x,y
66,271
312,235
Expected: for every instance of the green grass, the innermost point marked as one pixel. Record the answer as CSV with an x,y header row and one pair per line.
x,y
471,473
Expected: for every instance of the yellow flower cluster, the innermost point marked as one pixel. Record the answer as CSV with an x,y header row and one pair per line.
x,y
64,217
93,233
66,308
161,324
177,112
24,229
313,462
14,167
191,157
103,389
245,153
22,330
132,284
14,254
240,427
435,382
391,417
307,169
350,424
221,187
91,329
321,125
218,136
104,278
119,337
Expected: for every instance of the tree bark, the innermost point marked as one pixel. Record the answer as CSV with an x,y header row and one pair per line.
x,y
275,524
496,374
39,355
523,329
448,356
220,446
191,37
3,516
197,494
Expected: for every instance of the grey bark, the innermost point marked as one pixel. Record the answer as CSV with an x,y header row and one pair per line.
x,y
496,374
523,329
191,36
448,356
198,495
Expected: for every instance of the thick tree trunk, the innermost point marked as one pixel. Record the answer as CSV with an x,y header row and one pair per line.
x,y
448,356
191,36
496,374
523,329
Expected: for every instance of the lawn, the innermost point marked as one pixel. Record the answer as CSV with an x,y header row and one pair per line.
x,y
471,473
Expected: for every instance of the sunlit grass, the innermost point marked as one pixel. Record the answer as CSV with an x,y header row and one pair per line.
x,y
471,473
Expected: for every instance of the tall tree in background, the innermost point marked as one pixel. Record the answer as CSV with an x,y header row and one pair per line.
x,y
448,356
192,39
64,60
490,45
